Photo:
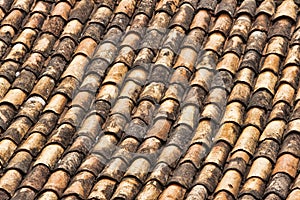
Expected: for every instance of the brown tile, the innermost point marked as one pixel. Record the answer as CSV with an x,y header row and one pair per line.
x,y
276,45
218,154
56,104
150,191
168,6
10,180
126,56
224,7
62,10
286,9
160,129
136,129
241,93
14,18
72,29
103,189
49,156
254,186
80,185
45,124
228,132
33,144
173,191
230,183
248,7
139,169
86,47
279,185
34,62
291,145
126,150
234,45
91,126
6,151
189,116
251,60
145,111
7,32
123,107
285,93
170,155
36,177
150,146
215,43
206,4
211,112
82,11
168,109
203,78
204,132
44,44
256,41
35,21
25,81
186,58
83,99
209,177
165,57
142,60
16,53
269,85
77,67
241,27
183,16
267,7
289,75
42,7
292,58
48,195
273,130
260,168
55,67
116,74
248,140
128,188
43,87
160,173
105,145
281,27
93,163
61,135
114,169
4,86
6,4
174,92
65,48
8,70
234,113
57,182
108,92
73,116
272,196
194,39
184,175
115,124
26,37
271,62
288,164
67,87
229,62
24,192
195,155
201,20
296,37
222,24
153,92
82,145
260,99
11,95
198,192
54,25
268,149
17,129
7,112
293,194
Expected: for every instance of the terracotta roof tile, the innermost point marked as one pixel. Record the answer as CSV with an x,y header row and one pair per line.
x,y
149,99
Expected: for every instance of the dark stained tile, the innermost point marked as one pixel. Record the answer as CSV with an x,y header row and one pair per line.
x,y
278,185
103,189
82,10
159,129
9,184
247,7
286,9
254,187
24,192
267,7
197,192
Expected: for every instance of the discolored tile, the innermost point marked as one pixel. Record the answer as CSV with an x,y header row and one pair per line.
x,y
286,9
103,189
201,20
151,190
183,16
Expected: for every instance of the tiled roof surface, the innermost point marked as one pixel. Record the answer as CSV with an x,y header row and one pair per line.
x,y
146,99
